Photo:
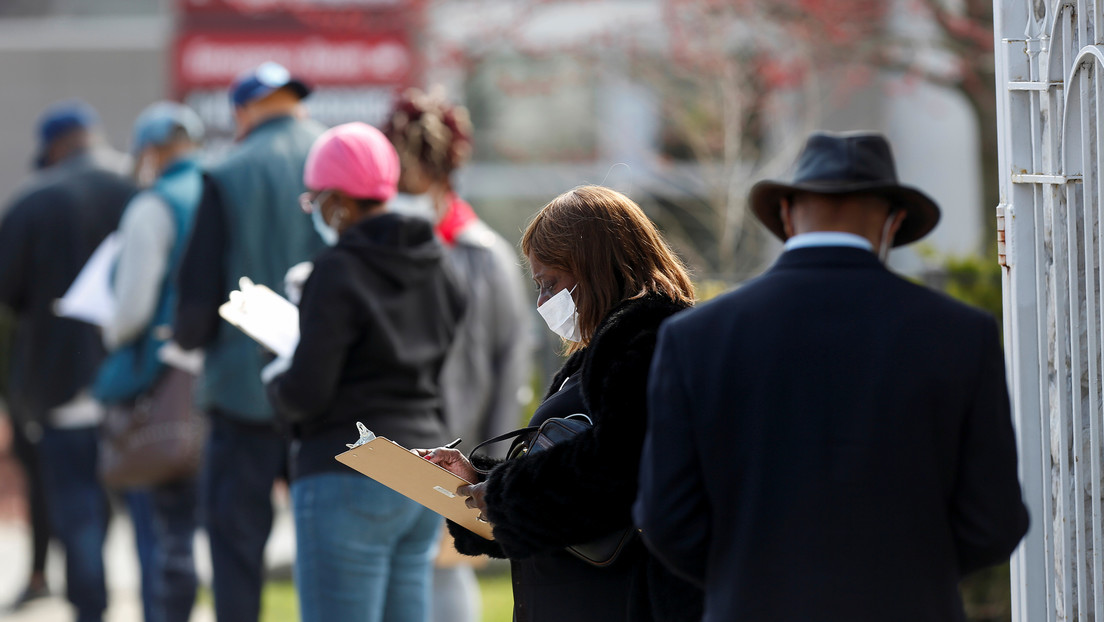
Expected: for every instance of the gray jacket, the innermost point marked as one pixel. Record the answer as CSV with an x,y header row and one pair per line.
x,y
490,359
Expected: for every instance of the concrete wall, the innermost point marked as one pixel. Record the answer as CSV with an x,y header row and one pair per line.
x,y
118,65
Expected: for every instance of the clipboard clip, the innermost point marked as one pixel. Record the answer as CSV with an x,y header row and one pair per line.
x,y
365,436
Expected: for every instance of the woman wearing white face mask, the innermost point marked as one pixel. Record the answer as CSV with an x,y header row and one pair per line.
x,y
605,281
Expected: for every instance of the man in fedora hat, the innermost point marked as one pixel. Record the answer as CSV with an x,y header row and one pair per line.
x,y
830,441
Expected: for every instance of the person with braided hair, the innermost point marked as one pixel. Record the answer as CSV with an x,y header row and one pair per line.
x,y
489,361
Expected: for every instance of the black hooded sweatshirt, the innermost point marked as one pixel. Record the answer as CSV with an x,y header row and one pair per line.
x,y
376,319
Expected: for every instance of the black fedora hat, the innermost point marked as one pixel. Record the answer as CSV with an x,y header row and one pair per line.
x,y
843,164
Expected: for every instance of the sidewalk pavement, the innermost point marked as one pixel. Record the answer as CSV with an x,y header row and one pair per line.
x,y
124,600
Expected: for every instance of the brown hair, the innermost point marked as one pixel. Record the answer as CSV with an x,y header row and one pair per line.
x,y
603,239
429,129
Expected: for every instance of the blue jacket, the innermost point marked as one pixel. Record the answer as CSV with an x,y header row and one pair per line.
x,y
134,368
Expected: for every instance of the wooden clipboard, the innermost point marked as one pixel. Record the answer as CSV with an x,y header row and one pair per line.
x,y
396,467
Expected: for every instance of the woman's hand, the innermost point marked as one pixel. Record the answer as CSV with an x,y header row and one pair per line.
x,y
475,494
452,460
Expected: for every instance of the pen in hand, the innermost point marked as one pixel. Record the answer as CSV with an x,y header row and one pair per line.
x,y
451,445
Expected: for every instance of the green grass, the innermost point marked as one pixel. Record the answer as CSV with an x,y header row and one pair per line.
x,y
498,596
280,604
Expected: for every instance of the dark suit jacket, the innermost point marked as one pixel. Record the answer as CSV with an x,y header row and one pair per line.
x,y
830,442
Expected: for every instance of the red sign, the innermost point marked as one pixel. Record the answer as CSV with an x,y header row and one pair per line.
x,y
253,7
215,59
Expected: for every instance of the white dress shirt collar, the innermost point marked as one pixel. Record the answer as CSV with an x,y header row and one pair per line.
x,y
828,238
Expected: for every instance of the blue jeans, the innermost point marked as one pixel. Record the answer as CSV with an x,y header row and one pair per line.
x,y
242,463
139,504
165,519
364,553
78,513
175,520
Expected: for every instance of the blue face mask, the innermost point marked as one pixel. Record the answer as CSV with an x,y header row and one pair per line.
x,y
325,231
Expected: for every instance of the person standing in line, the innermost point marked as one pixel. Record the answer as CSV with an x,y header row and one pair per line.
x,y
24,449
48,233
153,230
831,441
246,225
489,362
605,280
376,318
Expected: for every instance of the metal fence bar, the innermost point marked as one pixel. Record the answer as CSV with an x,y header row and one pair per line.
x,y
1041,268
1096,318
1052,205
1029,563
1090,129
1074,282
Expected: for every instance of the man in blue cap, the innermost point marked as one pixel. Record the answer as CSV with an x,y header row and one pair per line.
x,y
153,232
248,224
50,230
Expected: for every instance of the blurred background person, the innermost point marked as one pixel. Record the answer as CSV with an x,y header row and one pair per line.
x,y
48,233
606,279
154,230
24,449
246,225
376,318
490,360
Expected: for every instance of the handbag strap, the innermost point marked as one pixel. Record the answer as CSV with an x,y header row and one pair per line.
x,y
531,431
497,439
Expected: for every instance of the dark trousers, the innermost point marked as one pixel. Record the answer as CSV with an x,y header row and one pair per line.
x,y
25,450
165,520
139,504
78,514
242,463
175,520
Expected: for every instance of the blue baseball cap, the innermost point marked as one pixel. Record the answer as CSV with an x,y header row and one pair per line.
x,y
158,123
63,117
263,80
60,119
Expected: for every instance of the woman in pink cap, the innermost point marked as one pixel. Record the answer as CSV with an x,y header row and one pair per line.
x,y
376,318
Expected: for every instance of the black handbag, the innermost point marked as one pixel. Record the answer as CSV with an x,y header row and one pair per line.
x,y
600,552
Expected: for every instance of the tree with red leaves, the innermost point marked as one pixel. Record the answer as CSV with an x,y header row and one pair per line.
x,y
739,83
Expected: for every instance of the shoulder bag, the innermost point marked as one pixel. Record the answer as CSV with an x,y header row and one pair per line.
x,y
156,438
601,552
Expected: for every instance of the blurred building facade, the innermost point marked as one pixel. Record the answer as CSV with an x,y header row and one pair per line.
x,y
560,95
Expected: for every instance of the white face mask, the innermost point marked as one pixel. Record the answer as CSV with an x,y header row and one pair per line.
x,y
325,231
560,315
884,245
147,170
416,205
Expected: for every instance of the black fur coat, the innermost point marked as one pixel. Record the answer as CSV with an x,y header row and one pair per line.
x,y
584,489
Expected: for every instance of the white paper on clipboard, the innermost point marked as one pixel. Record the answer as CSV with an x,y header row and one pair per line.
x,y
269,318
418,479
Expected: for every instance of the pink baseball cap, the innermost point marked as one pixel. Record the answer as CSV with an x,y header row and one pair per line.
x,y
356,159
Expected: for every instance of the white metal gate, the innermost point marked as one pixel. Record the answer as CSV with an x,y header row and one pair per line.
x,y
1050,59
